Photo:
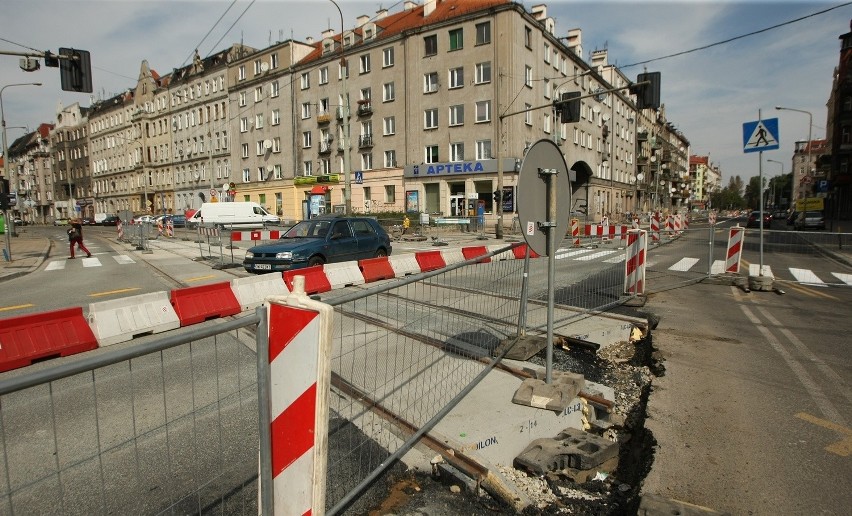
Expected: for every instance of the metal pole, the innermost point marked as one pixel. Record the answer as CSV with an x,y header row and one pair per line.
x,y
347,193
760,182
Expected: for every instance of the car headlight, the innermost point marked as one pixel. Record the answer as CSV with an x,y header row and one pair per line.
x,y
286,255
249,254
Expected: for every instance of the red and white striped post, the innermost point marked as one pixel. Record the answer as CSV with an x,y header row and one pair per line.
x,y
655,227
735,248
170,228
634,265
300,333
575,231
120,230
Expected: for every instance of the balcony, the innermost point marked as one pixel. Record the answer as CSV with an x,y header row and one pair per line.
x,y
642,137
323,118
365,140
666,157
324,147
365,108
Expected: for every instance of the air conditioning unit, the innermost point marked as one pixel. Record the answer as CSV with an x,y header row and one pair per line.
x,y
267,144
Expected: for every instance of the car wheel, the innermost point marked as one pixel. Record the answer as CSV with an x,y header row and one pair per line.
x,y
381,253
315,260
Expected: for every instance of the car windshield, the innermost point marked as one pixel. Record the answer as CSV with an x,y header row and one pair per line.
x,y
309,229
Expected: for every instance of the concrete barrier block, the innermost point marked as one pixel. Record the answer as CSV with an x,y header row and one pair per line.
x,y
252,292
452,256
27,338
120,320
404,264
505,255
343,274
555,396
572,451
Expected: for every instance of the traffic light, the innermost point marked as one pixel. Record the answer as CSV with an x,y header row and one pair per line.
x,y
497,196
75,70
4,194
647,95
568,108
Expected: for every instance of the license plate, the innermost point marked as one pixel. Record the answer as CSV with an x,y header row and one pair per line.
x,y
263,266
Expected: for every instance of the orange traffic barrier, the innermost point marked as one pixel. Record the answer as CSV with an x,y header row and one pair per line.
x,y
473,252
315,279
430,260
375,269
194,305
30,338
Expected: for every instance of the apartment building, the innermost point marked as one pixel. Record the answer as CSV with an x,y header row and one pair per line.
x,y
31,174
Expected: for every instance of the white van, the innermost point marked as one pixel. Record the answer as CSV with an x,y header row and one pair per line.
x,y
248,215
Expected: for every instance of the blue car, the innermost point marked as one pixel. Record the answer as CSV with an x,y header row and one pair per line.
x,y
325,239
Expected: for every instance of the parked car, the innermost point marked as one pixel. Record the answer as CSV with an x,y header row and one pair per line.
x,y
88,221
60,222
791,218
810,220
19,222
110,220
144,218
325,239
754,220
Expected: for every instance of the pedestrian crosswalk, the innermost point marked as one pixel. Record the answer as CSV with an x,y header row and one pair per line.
x,y
94,261
699,266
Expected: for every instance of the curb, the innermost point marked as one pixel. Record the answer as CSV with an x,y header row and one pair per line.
x,y
39,261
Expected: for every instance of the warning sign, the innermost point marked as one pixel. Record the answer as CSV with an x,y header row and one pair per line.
x,y
760,135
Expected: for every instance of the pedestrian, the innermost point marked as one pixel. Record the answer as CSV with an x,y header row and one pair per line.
x,y
405,224
75,236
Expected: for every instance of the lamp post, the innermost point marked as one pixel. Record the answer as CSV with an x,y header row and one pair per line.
x,y
773,183
6,165
347,192
810,126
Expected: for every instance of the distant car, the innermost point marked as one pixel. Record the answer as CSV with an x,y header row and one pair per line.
x,y
60,222
325,239
88,221
144,218
791,218
178,221
810,220
18,221
110,220
754,220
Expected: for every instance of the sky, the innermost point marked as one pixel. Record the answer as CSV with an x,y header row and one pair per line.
x,y
708,93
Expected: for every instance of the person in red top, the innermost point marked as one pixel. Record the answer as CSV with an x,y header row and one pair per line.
x,y
75,236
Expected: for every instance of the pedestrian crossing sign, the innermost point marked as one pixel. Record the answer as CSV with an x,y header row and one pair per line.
x,y
760,135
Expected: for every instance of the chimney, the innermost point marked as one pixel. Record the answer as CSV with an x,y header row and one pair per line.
x,y
575,42
310,40
381,14
328,33
409,5
361,20
599,58
429,7
539,12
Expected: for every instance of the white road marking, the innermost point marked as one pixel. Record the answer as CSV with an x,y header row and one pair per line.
x,y
845,278
684,264
618,259
56,265
575,252
718,267
91,262
599,254
807,276
123,259
754,270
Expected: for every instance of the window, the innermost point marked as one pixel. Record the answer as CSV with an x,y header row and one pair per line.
x,y
306,110
528,37
546,52
390,194
457,115
276,144
456,39
246,175
273,61
325,166
390,158
274,89
258,121
483,73
342,70
367,196
389,126
483,149
528,76
457,152
307,168
430,45
528,114
430,82
367,161
366,94
257,67
430,119
244,124
483,111
364,62
241,73
306,139
276,116
387,57
387,92
260,150
323,75
456,77
243,97
547,123
431,154
258,94
483,33
306,80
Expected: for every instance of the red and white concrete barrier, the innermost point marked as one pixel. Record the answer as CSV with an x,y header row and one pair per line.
x,y
636,251
607,232
735,249
300,333
246,236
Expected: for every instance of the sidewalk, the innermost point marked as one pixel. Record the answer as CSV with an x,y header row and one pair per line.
x,y
28,253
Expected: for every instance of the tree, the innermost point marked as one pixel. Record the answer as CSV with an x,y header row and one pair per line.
x,y
752,192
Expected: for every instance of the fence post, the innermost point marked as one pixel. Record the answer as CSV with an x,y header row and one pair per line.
x,y
299,336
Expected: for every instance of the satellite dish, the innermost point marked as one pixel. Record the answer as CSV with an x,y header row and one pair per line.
x,y
267,144
197,176
188,151
264,67
640,176
269,168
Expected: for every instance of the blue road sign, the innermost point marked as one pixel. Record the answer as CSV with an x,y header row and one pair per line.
x,y
760,135
359,177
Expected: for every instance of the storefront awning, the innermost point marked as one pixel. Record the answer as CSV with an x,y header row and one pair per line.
x,y
319,190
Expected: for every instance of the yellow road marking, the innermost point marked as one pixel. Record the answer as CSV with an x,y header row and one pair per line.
x,y
16,307
200,278
111,292
842,447
809,291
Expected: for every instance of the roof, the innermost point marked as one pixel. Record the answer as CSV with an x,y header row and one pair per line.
x,y
394,24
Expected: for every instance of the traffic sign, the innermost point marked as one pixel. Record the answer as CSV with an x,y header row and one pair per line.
x,y
359,177
760,135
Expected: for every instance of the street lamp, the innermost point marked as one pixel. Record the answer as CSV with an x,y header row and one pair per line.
x,y
773,183
11,223
347,193
810,126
